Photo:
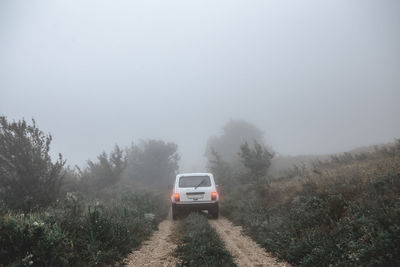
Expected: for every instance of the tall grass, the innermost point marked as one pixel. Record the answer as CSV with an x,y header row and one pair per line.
x,y
343,212
79,233
201,245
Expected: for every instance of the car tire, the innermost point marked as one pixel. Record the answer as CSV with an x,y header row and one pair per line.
x,y
214,212
174,212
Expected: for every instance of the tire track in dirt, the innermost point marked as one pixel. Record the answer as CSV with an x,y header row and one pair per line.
x,y
245,251
158,250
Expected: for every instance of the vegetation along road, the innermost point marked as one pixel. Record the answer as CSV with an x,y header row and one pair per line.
x,y
159,250
245,251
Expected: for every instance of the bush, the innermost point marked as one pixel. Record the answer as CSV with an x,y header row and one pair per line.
x,y
345,214
28,177
76,233
201,245
29,240
106,172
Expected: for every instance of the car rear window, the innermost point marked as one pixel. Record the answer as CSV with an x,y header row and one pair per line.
x,y
194,181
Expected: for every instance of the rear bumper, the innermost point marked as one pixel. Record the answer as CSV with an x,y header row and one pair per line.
x,y
195,205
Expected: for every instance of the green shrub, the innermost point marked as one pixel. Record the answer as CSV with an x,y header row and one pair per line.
x,y
29,180
201,245
29,240
345,214
76,233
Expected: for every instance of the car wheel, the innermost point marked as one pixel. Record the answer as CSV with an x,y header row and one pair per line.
x,y
174,212
214,212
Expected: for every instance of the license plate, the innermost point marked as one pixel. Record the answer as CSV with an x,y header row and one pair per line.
x,y
195,196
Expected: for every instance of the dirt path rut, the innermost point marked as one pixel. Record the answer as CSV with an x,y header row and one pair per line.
x,y
157,251
243,248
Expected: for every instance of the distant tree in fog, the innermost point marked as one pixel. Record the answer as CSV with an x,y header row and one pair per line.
x,y
153,163
28,177
234,134
221,169
256,160
106,171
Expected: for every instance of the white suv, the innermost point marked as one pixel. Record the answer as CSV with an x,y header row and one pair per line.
x,y
195,191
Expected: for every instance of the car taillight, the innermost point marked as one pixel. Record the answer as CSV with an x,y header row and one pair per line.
x,y
213,195
176,197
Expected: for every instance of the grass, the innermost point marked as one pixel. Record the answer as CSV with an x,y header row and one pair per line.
x,y
200,244
78,233
343,212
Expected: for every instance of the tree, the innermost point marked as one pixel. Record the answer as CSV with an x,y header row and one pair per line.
x,y
106,172
153,163
234,134
257,160
28,177
221,170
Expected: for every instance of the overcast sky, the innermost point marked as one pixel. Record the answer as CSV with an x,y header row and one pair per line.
x,y
316,76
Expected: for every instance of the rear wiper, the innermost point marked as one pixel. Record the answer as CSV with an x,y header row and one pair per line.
x,y
202,181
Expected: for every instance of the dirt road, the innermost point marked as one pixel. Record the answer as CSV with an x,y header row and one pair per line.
x,y
157,251
243,248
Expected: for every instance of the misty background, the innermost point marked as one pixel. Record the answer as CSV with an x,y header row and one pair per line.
x,y
316,77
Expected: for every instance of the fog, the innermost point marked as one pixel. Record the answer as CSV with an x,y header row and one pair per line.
x,y
316,77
